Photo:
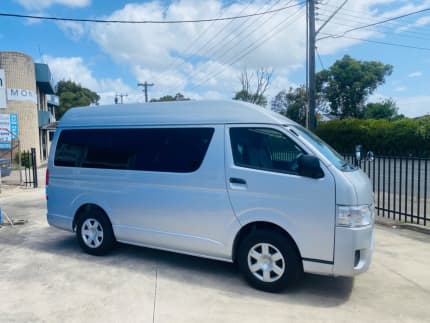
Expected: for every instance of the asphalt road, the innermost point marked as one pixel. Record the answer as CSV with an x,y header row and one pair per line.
x,y
44,277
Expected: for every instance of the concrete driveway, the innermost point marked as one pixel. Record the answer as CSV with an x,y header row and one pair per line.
x,y
44,276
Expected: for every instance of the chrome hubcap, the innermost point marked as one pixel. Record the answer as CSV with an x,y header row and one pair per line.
x,y
92,233
266,262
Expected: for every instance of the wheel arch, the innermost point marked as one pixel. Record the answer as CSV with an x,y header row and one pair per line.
x,y
86,208
260,225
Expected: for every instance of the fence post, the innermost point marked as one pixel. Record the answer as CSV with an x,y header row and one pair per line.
x,y
19,163
34,166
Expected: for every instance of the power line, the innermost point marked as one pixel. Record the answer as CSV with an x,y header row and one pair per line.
x,y
380,22
319,58
218,34
146,21
223,50
241,30
391,26
332,15
365,15
192,44
384,31
253,46
377,42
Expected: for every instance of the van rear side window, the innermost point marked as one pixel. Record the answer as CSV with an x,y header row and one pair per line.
x,y
180,150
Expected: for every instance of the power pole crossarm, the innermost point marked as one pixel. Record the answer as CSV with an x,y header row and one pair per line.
x,y
121,96
145,86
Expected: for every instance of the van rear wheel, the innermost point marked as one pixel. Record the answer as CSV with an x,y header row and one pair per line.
x,y
269,261
94,233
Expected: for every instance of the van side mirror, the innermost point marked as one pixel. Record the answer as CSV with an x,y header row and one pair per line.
x,y
309,166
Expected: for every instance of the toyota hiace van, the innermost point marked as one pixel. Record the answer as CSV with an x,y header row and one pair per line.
x,y
224,180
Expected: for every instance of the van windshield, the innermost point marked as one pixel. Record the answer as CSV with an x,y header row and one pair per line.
x,y
335,158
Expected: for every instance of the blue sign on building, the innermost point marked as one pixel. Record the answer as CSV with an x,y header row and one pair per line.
x,y
8,130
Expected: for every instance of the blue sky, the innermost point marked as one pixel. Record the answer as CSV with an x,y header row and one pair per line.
x,y
204,60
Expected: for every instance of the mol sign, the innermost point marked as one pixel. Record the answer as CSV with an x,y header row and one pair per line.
x,y
21,95
8,130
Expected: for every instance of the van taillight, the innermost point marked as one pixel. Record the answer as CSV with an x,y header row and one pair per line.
x,y
46,183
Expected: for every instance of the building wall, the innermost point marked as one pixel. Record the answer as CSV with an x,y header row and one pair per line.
x,y
20,74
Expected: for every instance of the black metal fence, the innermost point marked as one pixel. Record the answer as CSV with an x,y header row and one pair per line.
x,y
28,160
401,186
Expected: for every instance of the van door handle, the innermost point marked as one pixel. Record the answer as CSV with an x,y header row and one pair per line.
x,y
235,180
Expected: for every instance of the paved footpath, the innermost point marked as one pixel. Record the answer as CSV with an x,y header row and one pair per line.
x,y
44,277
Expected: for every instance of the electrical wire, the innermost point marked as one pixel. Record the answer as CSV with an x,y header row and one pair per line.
x,y
380,22
364,14
3,14
222,49
384,31
192,44
319,58
254,46
227,50
220,32
392,25
377,42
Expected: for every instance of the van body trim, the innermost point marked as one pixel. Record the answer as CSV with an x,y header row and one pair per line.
x,y
328,262
194,254
182,235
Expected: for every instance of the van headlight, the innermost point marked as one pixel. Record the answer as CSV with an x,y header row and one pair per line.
x,y
355,216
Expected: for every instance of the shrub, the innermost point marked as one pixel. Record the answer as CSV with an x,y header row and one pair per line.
x,y
25,159
402,137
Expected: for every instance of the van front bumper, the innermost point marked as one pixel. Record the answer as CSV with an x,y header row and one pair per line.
x,y
353,250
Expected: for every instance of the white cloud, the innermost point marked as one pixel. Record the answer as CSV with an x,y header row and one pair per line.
x,y
205,59
74,69
43,4
192,56
72,29
414,106
400,88
415,74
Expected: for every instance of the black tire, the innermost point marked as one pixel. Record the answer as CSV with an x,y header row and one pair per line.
x,y
102,245
276,243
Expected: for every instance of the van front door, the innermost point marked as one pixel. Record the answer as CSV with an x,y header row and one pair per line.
x,y
264,185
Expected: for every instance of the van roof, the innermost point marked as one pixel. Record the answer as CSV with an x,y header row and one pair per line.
x,y
171,113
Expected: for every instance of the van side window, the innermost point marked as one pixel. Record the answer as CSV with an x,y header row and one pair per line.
x,y
264,148
179,150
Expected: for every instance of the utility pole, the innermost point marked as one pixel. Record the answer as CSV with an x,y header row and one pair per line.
x,y
311,122
120,96
310,119
145,88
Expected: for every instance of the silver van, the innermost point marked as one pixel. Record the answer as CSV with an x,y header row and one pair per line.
x,y
224,180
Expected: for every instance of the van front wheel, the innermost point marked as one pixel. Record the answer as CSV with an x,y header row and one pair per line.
x,y
94,233
269,261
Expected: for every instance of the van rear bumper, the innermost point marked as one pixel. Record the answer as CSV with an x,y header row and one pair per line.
x,y
60,222
353,250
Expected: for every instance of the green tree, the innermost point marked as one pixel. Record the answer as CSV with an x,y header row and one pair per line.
x,y
292,104
254,93
166,98
72,94
347,84
386,109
